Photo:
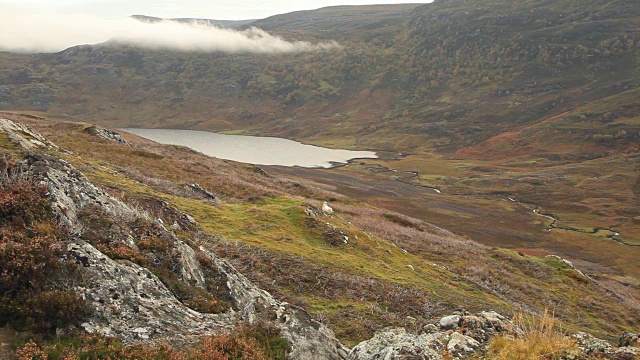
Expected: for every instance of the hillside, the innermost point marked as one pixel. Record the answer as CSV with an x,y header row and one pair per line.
x,y
514,125
225,24
125,208
450,73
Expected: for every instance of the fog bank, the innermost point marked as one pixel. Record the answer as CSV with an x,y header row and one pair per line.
x,y
32,33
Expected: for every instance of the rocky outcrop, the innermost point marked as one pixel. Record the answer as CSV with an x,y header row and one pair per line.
x,y
459,334
309,339
398,344
202,193
601,349
129,302
24,137
190,270
70,191
107,134
629,339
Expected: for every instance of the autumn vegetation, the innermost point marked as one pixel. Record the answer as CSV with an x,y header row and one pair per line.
x,y
479,100
31,246
535,338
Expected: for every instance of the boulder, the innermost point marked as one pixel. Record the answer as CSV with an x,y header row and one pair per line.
x,y
397,343
449,322
629,339
461,344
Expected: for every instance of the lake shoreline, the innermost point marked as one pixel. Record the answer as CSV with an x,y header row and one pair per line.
x,y
257,150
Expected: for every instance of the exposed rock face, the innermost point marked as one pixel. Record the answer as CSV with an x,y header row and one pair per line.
x,y
129,302
458,334
190,271
70,191
107,134
23,136
398,344
309,339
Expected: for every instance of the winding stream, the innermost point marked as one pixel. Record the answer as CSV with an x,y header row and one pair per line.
x,y
410,176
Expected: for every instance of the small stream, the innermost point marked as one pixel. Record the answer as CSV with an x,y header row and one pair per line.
x,y
408,177
554,225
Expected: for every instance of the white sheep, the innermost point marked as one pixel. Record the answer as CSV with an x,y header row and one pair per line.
x,y
326,208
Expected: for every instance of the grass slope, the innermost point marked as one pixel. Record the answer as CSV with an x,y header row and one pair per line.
x,y
261,224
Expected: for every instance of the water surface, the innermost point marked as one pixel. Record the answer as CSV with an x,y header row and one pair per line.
x,y
253,149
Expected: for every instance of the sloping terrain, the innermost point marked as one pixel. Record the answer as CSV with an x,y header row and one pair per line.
x,y
449,74
372,267
510,123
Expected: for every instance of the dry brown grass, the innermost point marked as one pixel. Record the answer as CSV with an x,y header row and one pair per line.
x,y
536,338
486,273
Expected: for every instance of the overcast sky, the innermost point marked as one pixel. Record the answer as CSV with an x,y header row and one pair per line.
x,y
211,9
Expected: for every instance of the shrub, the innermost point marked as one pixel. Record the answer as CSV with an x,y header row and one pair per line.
x,y
268,338
31,248
228,347
22,204
223,347
25,261
52,309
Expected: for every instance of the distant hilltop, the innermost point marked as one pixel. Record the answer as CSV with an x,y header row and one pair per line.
x,y
225,24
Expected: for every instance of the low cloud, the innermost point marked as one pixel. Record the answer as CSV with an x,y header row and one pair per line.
x,y
32,33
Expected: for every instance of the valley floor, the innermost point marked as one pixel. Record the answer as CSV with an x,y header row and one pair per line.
x,y
529,210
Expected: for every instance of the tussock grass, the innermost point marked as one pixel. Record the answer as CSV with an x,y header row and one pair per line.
x,y
536,338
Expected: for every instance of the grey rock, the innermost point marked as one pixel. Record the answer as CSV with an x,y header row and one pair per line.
x,y
24,137
309,339
429,328
396,343
70,191
107,134
590,344
595,347
629,339
461,344
449,322
190,270
203,193
484,325
128,301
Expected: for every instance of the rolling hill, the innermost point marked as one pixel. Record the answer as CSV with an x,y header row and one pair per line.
x,y
512,124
